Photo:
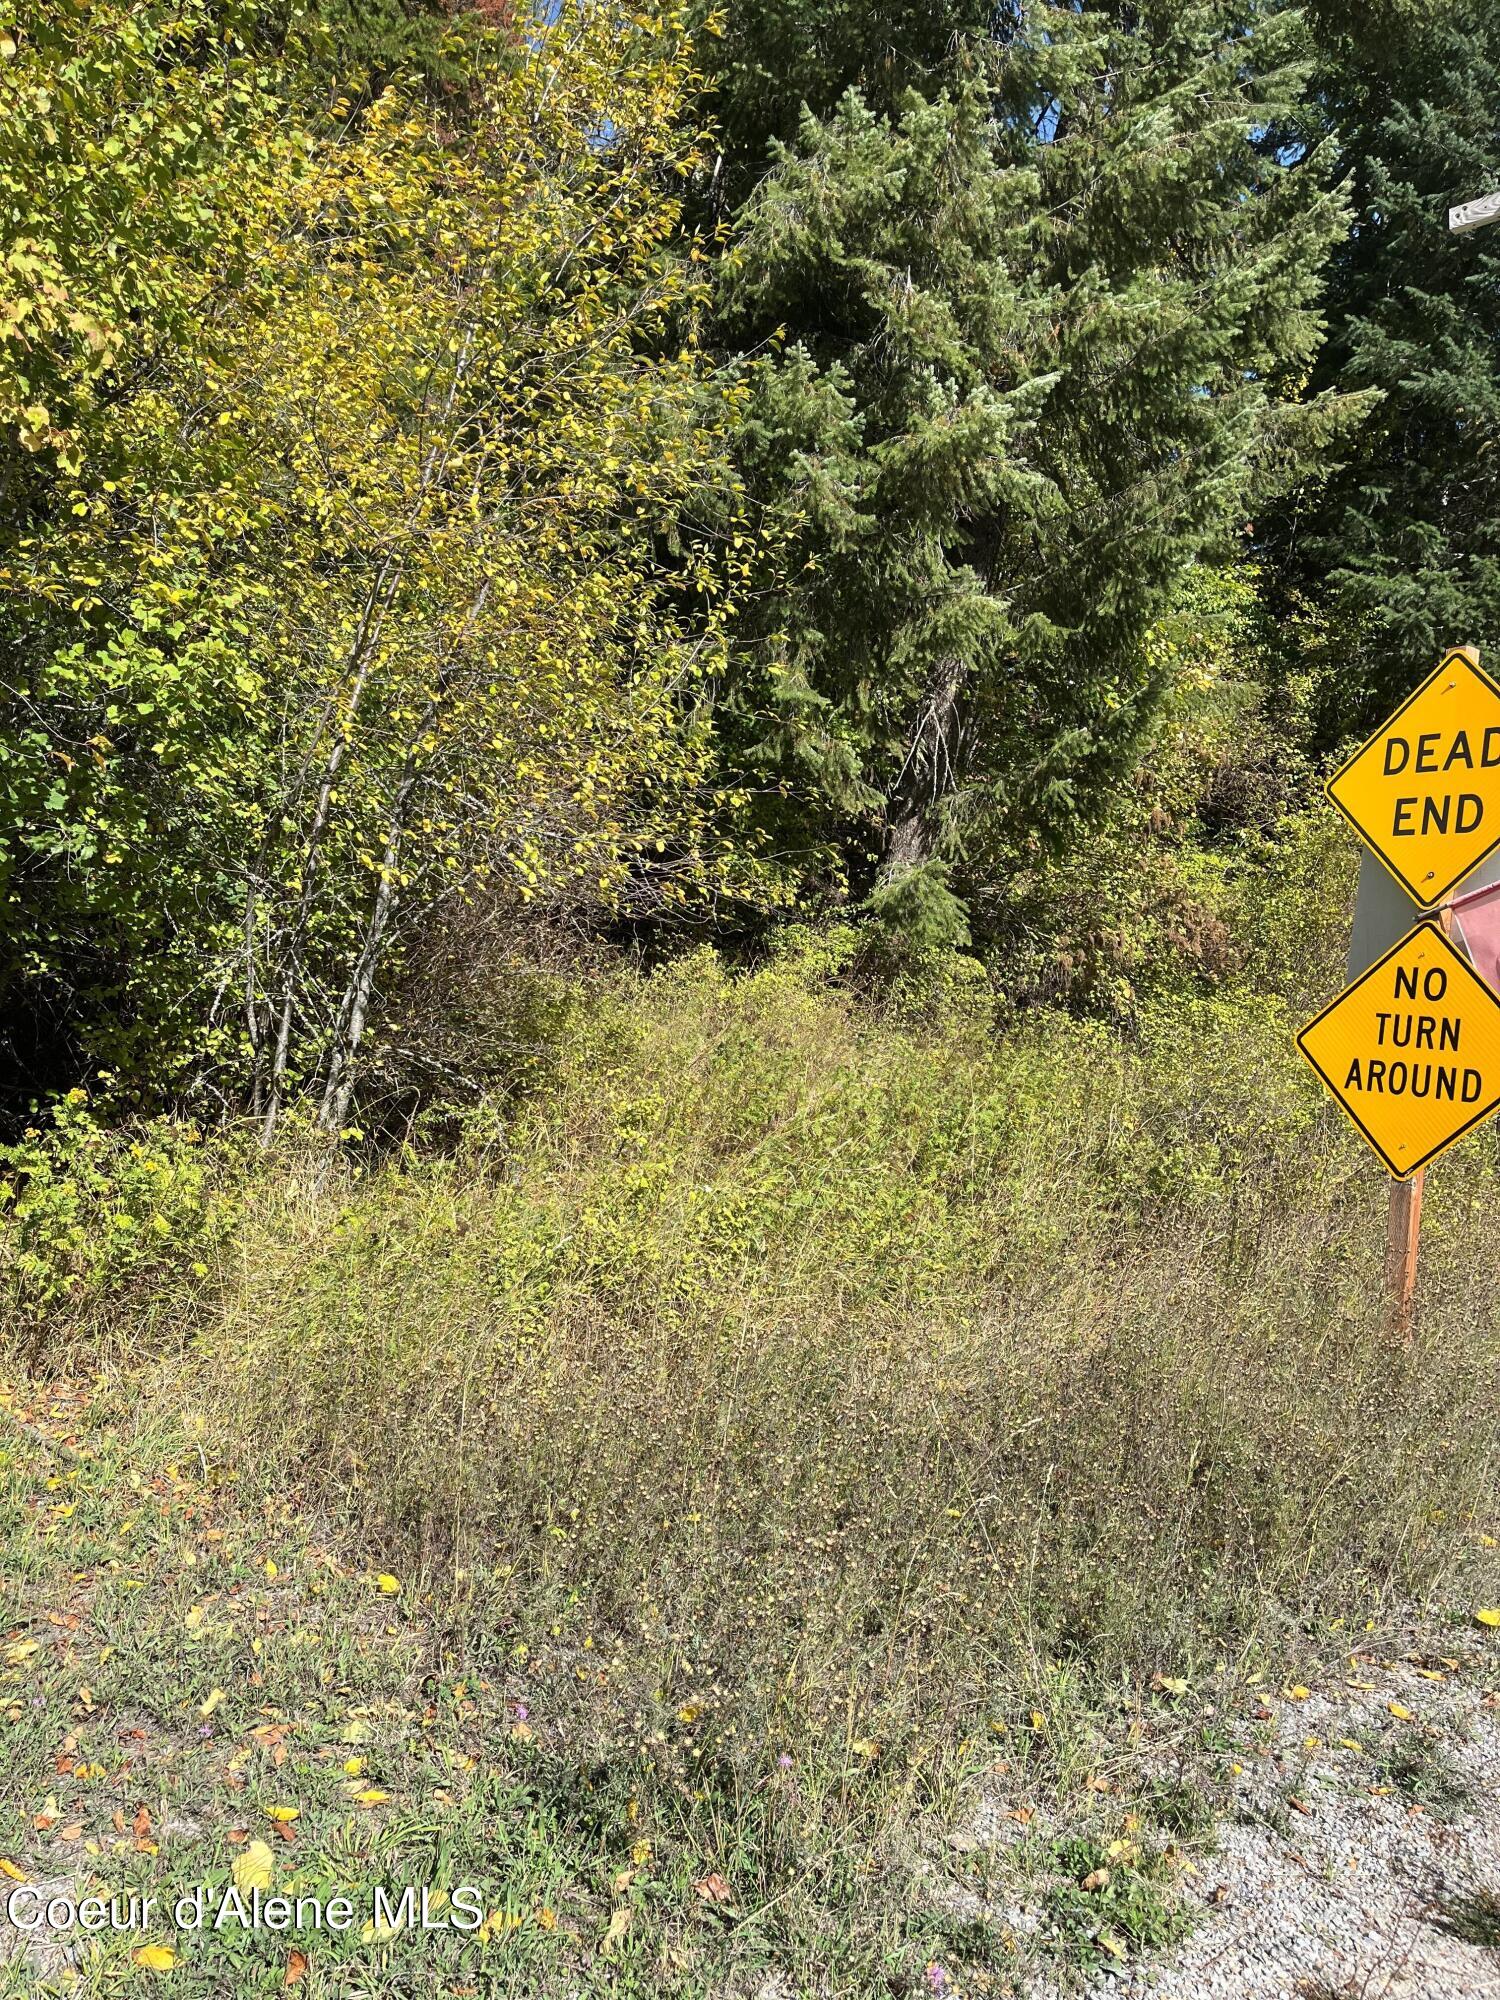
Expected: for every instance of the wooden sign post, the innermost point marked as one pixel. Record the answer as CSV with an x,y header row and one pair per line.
x,y
1411,1049
1471,215
1403,1233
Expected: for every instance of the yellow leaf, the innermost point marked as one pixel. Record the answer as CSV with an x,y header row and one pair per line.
x,y
373,1796
619,1924
1038,1720
155,1957
1401,1714
284,1814
9,1868
270,1567
1489,1616
210,1702
1298,1693
865,1746
1171,1685
1111,1944
354,1767
388,1585
254,1867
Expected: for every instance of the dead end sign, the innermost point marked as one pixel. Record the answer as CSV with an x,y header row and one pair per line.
x,y
1425,790
1411,1050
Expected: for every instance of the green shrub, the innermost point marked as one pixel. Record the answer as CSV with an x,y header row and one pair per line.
x,y
89,1215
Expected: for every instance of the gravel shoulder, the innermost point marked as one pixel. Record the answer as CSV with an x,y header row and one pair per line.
x,y
1331,1883
1355,1855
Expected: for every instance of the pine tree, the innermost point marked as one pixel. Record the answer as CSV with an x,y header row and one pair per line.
x,y
1397,553
1033,311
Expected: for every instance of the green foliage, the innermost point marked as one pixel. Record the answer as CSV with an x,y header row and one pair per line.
x,y
88,1214
1152,899
1129,1910
129,143
1034,311
369,618
795,1383
1395,555
781,1405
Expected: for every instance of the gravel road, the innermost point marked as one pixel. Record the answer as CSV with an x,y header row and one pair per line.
x,y
1356,1890
1359,1858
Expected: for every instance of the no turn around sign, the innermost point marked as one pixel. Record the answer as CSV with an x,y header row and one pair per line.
x,y
1411,1050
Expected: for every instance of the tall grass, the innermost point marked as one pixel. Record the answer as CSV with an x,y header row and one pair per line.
x,y
841,1370
781,1380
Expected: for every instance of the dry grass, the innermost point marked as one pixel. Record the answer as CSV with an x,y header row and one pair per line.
x,y
787,1383
835,1376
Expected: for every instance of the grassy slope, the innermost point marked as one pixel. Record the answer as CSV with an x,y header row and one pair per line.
x,y
784,1409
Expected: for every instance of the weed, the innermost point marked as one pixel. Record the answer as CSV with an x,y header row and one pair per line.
x,y
1181,1809
768,1421
1104,1907
1419,1768
1473,1918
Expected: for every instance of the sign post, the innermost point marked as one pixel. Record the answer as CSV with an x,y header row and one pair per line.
x,y
1474,214
1411,1048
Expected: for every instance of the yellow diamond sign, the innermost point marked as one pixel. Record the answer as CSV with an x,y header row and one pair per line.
x,y
1425,790
1411,1050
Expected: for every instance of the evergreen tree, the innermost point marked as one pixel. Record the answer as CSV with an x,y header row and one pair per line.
x,y
1397,554
1032,315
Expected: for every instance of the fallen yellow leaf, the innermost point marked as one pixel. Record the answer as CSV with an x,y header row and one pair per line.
x,y
210,1702
9,1868
155,1957
254,1867
388,1585
1489,1616
372,1796
1401,1714
283,1814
